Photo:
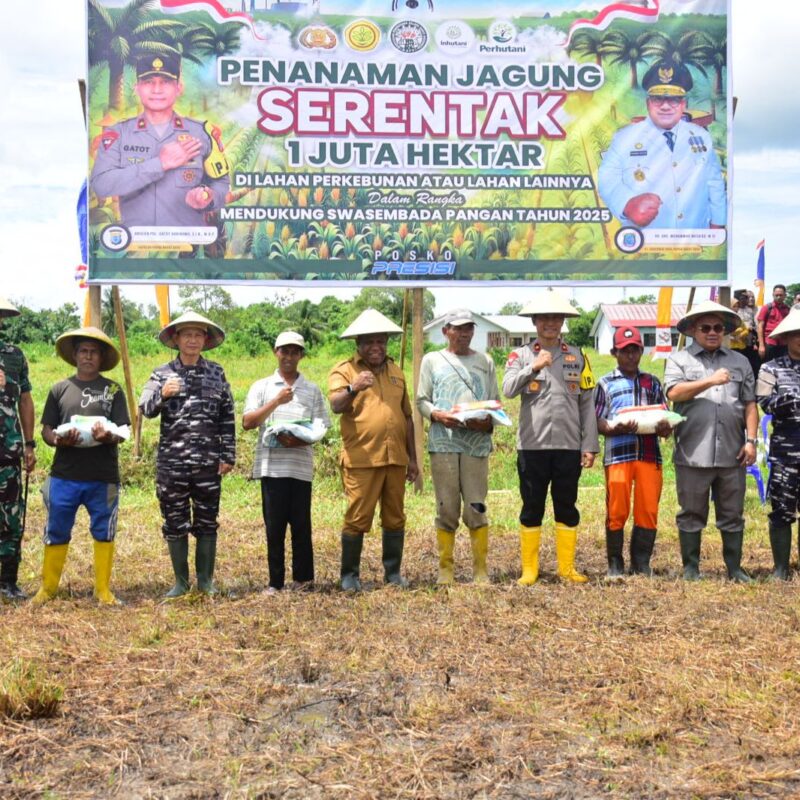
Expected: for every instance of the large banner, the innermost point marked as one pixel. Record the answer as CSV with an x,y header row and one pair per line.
x,y
419,141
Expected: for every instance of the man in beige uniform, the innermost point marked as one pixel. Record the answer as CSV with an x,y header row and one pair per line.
x,y
557,434
378,455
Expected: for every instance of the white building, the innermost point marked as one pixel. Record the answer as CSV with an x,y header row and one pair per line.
x,y
636,315
505,331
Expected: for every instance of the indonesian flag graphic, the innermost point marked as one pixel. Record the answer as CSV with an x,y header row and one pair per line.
x,y
214,9
644,11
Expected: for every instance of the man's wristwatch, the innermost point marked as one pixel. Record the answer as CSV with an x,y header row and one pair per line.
x,y
751,441
349,389
31,444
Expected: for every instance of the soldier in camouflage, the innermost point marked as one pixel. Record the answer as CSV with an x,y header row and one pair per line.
x,y
197,445
778,393
16,446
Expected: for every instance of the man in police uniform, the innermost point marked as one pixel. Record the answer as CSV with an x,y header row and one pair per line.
x,y
557,434
714,388
378,452
16,446
663,172
778,393
197,445
166,169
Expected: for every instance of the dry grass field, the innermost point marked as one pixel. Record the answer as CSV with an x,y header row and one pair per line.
x,y
652,688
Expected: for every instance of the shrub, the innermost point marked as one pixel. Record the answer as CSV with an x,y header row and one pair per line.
x,y
26,692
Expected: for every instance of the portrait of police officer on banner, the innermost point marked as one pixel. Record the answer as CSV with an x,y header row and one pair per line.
x,y
166,169
663,171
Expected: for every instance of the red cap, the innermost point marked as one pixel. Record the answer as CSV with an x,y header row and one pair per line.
x,y
625,336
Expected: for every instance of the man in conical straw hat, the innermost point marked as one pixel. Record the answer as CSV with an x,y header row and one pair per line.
x,y
83,475
378,454
778,392
714,388
197,445
557,434
17,448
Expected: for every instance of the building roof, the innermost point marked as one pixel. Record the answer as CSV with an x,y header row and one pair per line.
x,y
512,323
637,315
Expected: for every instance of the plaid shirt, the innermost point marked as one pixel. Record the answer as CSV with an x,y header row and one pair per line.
x,y
615,392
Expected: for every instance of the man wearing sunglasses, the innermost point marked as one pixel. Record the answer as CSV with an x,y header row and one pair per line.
x,y
663,172
714,388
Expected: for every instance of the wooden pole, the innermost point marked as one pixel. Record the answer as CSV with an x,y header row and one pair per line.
x,y
417,319
404,326
682,337
126,363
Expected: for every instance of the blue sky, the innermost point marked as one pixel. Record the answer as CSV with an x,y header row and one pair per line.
x,y
43,155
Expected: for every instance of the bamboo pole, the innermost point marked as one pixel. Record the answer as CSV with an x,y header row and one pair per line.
x,y
126,362
404,326
417,319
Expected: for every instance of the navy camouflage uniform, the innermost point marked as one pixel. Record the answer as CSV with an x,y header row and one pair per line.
x,y
778,393
128,166
197,434
12,445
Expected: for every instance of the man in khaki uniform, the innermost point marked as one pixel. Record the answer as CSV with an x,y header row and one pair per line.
x,y
378,455
557,434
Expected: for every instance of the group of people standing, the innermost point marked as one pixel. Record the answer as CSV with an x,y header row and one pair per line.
x,y
563,412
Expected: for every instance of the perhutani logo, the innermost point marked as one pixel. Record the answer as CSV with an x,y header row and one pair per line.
x,y
412,268
409,36
502,32
454,36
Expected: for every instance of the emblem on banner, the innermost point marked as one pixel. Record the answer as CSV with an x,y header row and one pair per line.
x,y
318,37
409,36
454,36
362,35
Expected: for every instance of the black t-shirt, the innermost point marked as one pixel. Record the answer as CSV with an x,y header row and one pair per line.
x,y
98,398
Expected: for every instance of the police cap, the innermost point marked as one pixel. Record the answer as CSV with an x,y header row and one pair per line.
x,y
152,65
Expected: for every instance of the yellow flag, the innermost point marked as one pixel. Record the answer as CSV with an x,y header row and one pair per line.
x,y
663,323
162,298
87,311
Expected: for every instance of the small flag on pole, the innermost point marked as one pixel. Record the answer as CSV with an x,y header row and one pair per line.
x,y
162,298
663,323
759,281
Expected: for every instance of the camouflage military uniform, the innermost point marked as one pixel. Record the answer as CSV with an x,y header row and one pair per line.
x,y
13,363
197,434
778,393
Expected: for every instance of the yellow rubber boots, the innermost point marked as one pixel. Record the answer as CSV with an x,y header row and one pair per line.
x,y
479,538
103,563
446,541
529,539
566,544
55,555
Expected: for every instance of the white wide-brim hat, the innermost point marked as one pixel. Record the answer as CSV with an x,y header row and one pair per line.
x,y
288,338
729,317
549,303
368,322
65,346
7,309
791,322
215,336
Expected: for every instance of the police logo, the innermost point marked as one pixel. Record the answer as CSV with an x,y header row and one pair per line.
x,y
158,64
570,358
533,386
109,137
454,36
115,238
362,35
639,175
629,240
409,36
317,37
502,32
188,175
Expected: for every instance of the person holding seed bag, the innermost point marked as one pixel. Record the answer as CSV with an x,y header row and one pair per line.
x,y
714,388
459,451
85,470
557,435
17,449
197,445
284,463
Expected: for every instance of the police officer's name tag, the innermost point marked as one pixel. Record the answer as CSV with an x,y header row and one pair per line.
x,y
175,235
